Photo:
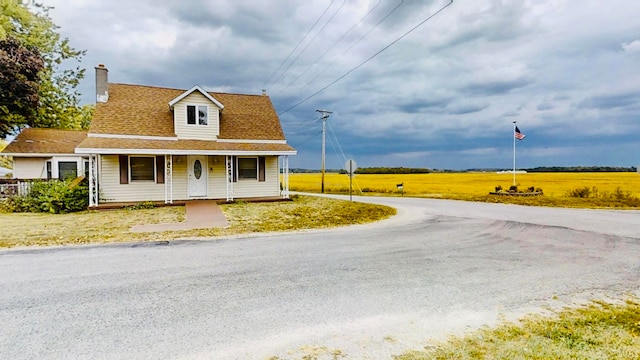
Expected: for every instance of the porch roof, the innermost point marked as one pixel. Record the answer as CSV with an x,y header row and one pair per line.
x,y
97,145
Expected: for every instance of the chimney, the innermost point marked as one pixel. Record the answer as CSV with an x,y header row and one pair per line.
x,y
102,84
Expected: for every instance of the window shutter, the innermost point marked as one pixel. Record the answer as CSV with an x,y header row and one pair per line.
x,y
261,168
124,169
160,169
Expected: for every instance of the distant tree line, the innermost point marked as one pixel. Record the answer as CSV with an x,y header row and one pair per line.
x,y
582,169
403,170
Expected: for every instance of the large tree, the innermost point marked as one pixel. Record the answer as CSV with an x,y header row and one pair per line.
x,y
20,69
58,98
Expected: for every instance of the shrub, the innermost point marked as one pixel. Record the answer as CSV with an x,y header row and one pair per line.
x,y
583,192
498,188
54,196
513,188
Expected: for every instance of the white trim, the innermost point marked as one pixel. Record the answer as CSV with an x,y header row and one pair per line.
x,y
137,137
155,170
198,88
256,158
244,141
197,118
179,152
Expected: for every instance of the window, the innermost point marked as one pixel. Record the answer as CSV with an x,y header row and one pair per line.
x,y
49,173
143,168
67,169
248,168
202,115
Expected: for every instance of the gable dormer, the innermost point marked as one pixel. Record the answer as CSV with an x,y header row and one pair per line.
x,y
196,115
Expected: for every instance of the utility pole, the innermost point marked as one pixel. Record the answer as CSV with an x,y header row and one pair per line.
x,y
325,115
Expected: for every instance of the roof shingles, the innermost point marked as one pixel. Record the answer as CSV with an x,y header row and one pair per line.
x,y
46,141
144,111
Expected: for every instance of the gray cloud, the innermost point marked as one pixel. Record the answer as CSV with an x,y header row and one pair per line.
x,y
444,96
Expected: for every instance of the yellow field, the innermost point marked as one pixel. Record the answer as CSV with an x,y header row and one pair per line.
x,y
471,186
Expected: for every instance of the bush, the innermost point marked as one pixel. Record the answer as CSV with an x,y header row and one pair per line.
x,y
54,196
583,192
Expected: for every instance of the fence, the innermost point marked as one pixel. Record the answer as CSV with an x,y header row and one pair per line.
x,y
12,187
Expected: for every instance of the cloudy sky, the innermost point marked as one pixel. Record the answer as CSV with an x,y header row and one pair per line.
x,y
405,90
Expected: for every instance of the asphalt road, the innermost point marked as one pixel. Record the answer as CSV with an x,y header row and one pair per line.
x,y
365,292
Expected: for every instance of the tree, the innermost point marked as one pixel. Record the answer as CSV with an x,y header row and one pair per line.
x,y
20,69
58,98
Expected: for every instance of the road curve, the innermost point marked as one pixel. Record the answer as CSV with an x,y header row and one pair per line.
x,y
365,292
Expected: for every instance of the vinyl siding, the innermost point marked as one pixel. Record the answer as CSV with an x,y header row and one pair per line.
x,y
254,188
112,191
29,168
196,132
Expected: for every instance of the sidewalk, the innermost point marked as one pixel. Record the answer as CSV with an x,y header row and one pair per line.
x,y
200,214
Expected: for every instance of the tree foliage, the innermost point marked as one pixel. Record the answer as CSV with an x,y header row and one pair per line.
x,y
20,68
58,98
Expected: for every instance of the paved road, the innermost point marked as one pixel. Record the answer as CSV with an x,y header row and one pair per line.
x,y
367,292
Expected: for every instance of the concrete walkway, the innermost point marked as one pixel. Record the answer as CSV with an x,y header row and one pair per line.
x,y
200,214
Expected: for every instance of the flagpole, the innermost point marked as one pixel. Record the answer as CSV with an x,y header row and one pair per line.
x,y
514,153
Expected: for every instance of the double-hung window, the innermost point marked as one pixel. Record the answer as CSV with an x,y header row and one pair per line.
x,y
67,169
247,168
197,115
142,168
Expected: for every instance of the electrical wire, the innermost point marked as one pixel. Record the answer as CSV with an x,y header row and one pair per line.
x,y
332,46
296,47
367,60
312,40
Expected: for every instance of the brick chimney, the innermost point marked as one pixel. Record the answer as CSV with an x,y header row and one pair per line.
x,y
102,84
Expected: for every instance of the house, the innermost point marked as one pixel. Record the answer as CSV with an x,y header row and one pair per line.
x,y
47,154
150,143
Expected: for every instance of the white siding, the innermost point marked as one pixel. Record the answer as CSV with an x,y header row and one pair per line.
x,y
254,188
112,191
180,178
29,168
197,132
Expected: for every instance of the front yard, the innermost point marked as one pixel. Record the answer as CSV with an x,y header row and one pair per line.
x,y
305,212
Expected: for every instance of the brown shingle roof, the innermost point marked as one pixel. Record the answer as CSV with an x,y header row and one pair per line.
x,y
171,146
46,141
144,111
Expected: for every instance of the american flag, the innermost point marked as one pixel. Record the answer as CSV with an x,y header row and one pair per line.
x,y
518,134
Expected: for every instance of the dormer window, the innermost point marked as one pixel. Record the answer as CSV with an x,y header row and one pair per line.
x,y
197,115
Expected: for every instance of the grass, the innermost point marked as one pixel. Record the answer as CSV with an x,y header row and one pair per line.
x,y
304,212
613,190
599,330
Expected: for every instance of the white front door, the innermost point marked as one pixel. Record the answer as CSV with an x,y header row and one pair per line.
x,y
198,176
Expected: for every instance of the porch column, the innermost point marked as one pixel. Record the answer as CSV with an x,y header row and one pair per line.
x,y
168,179
229,175
93,180
285,176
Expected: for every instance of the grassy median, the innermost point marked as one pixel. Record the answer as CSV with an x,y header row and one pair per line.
x,y
304,212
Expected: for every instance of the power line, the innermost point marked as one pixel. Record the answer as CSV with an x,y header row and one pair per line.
x,y
368,59
353,44
296,47
333,45
312,40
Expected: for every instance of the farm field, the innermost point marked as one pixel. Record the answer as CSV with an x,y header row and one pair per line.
x,y
603,190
